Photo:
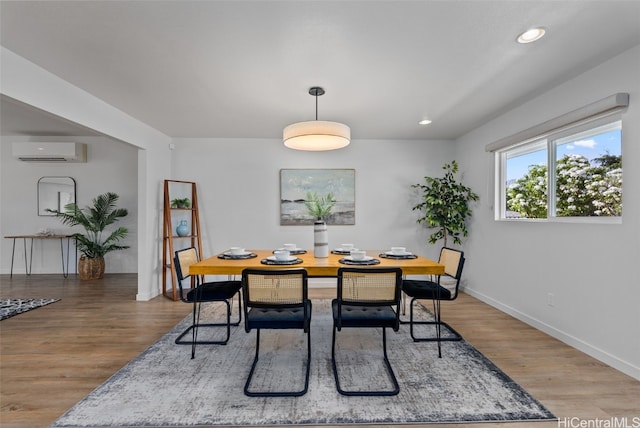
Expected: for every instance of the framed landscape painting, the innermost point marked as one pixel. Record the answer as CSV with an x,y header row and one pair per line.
x,y
298,186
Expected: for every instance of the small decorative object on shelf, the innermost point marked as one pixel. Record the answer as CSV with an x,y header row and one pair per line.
x,y
183,228
181,203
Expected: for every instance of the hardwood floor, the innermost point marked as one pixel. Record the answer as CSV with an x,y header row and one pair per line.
x,y
53,356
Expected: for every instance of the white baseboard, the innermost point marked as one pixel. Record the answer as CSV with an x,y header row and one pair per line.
x,y
597,353
143,297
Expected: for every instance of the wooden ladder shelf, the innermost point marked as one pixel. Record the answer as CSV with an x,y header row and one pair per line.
x,y
171,241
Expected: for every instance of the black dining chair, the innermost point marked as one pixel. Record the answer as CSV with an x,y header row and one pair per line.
x,y
199,292
453,261
367,298
276,299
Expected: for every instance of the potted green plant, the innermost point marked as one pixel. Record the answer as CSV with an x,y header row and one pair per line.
x,y
181,203
95,242
319,207
445,205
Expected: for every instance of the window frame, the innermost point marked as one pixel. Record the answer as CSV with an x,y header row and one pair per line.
x,y
550,141
502,156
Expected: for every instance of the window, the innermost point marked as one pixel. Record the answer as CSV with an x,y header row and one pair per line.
x,y
527,198
583,182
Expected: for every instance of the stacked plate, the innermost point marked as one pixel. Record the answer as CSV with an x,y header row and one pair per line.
x,y
292,251
398,253
236,253
344,250
276,260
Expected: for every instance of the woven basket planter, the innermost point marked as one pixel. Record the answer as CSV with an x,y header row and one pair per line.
x,y
89,269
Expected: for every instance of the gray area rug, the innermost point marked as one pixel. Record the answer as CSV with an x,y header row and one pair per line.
x,y
163,387
11,307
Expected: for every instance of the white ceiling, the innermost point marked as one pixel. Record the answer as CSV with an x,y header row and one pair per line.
x,y
243,68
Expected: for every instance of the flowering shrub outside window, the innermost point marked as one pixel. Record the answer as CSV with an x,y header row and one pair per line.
x,y
585,182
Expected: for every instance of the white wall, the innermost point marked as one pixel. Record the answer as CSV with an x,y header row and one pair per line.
x,y
154,166
32,85
591,269
111,167
239,190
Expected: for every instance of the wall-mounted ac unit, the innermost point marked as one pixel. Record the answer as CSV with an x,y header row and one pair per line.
x,y
50,152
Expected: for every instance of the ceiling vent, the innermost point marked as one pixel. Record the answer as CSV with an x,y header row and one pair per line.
x,y
50,152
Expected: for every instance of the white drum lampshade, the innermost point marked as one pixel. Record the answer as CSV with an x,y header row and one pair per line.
x,y
316,135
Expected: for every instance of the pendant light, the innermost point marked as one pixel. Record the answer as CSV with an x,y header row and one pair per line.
x,y
316,135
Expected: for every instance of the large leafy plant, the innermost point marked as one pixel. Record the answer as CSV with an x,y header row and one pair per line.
x,y
445,205
103,212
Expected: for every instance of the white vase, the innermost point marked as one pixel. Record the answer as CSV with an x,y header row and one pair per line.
x,y
320,239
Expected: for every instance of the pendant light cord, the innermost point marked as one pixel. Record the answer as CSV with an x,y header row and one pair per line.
x,y
316,91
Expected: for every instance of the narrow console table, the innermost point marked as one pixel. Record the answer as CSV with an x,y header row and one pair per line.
x,y
27,265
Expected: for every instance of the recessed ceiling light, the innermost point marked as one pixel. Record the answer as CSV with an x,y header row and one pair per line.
x,y
424,122
531,35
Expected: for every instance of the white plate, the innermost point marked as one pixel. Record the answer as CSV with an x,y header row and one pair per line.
x,y
289,259
364,259
404,253
344,250
229,253
286,249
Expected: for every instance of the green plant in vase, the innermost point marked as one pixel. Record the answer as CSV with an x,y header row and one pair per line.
x,y
95,242
181,203
319,207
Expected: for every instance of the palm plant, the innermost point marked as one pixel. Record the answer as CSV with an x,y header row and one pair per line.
x,y
94,243
95,219
319,206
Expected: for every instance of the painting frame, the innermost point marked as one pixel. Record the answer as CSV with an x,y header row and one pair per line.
x,y
296,184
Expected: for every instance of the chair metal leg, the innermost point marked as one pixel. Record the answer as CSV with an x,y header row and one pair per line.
x,y
193,328
404,304
391,374
437,323
253,366
237,323
196,321
436,310
278,393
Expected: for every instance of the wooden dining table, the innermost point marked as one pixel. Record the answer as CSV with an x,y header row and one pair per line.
x,y
316,267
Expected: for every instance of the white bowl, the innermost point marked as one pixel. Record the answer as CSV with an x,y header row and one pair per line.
x,y
282,255
398,250
236,251
346,247
290,247
358,254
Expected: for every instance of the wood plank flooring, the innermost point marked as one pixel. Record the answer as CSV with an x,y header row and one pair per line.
x,y
53,356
